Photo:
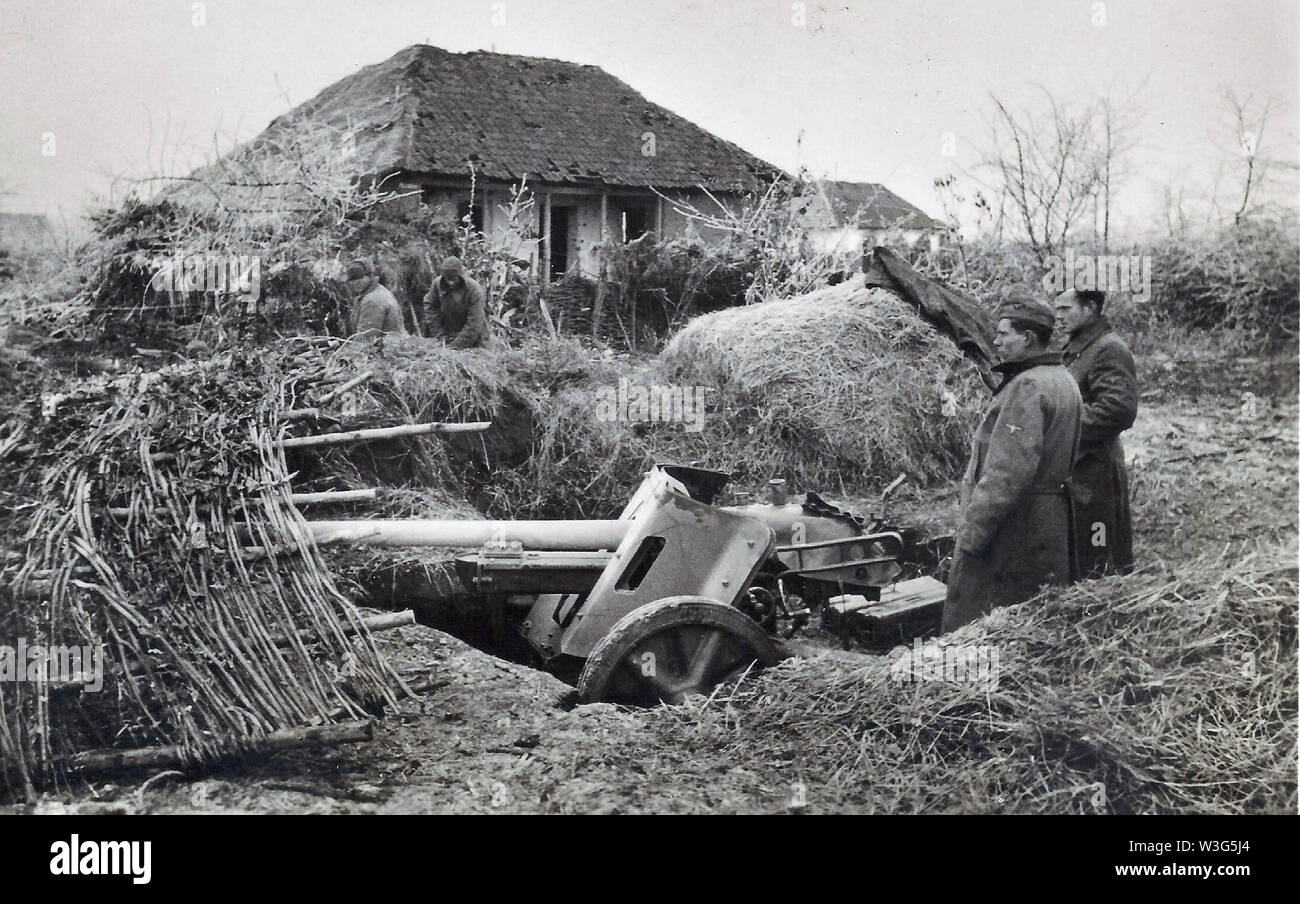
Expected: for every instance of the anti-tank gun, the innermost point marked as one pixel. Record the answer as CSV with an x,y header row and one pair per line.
x,y
678,595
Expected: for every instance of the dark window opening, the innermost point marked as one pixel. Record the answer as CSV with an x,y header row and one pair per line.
x,y
639,565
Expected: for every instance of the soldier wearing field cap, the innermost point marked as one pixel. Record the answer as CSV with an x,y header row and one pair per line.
x,y
377,309
1014,535
454,308
1101,363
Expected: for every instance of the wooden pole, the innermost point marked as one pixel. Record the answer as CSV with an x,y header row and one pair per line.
x,y
350,384
546,238
354,436
385,622
335,496
598,304
170,756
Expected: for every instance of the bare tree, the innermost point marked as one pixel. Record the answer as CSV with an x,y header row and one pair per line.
x,y
1116,121
1248,120
1049,167
1172,199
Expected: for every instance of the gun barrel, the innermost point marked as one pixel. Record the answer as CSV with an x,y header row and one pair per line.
x,y
543,535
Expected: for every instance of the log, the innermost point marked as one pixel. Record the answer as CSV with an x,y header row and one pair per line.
x,y
330,439
301,414
579,536
385,622
170,756
335,496
350,384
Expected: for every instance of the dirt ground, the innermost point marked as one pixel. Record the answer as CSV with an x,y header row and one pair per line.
x,y
1214,456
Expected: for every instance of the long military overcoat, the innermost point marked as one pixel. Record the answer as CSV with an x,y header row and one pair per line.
x,y
1015,514
1100,361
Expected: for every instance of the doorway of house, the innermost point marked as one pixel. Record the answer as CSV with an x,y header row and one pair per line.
x,y
561,221
634,220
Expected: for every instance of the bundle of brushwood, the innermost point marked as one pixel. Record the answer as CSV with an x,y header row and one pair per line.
x,y
148,518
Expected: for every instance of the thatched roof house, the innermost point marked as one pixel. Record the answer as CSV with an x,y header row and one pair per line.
x,y
431,113
597,155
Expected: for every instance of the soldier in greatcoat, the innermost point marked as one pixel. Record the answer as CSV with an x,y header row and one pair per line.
x,y
1102,365
1015,511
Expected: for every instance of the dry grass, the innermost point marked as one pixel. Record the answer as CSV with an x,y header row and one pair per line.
x,y
838,391
1170,690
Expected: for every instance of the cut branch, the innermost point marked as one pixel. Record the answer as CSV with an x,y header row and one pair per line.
x,y
100,761
332,439
350,384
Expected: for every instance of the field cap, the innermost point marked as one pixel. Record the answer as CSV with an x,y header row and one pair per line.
x,y
360,268
1029,311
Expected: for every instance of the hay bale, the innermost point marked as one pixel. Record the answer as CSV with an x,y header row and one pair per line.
x,y
843,387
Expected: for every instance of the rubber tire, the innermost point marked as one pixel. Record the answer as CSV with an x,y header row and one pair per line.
x,y
668,612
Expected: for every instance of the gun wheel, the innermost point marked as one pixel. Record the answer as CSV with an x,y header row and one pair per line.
x,y
671,648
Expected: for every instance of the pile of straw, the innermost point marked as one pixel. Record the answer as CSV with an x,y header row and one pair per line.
x,y
1165,691
215,630
840,388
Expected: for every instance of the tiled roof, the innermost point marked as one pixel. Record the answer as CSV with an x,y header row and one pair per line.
x,y
430,111
868,205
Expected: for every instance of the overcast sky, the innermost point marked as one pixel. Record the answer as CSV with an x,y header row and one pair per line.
x,y
863,90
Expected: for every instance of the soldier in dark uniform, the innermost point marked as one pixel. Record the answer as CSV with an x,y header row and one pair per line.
x,y
1103,366
1015,514
454,308
377,310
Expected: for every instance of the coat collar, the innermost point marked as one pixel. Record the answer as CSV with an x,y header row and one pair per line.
x,y
1011,369
1086,337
